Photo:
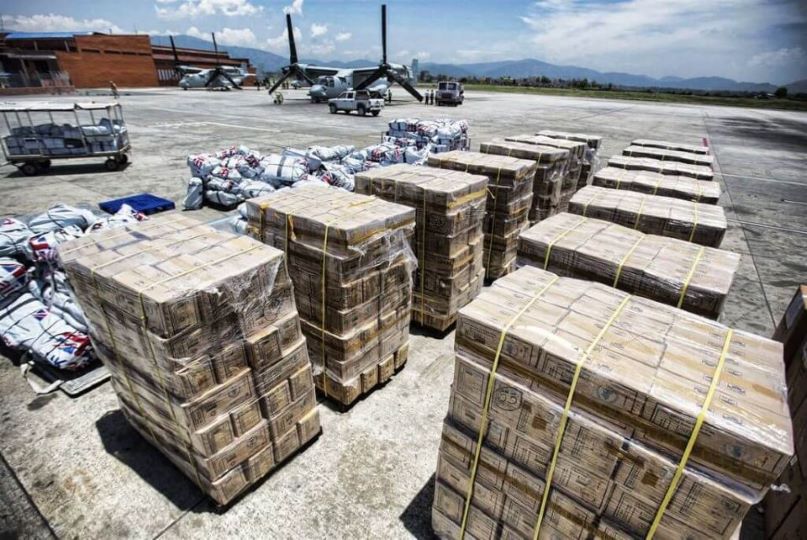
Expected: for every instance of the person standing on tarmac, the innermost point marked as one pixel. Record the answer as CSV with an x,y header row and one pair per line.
x,y
113,87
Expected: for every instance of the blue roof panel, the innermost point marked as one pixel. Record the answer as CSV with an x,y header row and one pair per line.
x,y
45,35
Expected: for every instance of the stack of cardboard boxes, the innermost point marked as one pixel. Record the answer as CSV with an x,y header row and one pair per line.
x,y
510,182
201,336
704,160
350,259
553,164
577,153
675,168
679,187
450,209
692,277
591,159
672,145
590,396
703,224
786,509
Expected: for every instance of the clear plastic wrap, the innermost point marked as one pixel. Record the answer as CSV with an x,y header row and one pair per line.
x,y
441,135
510,185
703,224
553,167
679,187
450,207
350,259
14,235
698,172
668,145
597,393
704,160
668,270
201,336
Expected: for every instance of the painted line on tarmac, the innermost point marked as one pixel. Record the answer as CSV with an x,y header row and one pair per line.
x,y
772,180
764,226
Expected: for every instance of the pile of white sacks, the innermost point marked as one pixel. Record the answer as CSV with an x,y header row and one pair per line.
x,y
38,314
229,177
443,135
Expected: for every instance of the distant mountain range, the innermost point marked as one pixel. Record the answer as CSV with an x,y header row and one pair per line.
x,y
528,67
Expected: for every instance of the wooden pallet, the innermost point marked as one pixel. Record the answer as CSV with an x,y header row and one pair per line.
x,y
346,393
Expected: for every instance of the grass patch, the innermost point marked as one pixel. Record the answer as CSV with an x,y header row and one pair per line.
x,y
658,97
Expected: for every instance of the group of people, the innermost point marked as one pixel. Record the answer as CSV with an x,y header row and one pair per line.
x,y
428,97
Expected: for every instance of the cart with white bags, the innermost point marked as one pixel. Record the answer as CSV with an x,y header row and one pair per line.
x,y
40,132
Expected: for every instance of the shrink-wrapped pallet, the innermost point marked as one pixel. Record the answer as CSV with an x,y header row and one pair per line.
x,y
680,156
703,224
695,278
553,165
510,182
201,336
591,159
679,187
450,209
698,172
350,259
578,411
670,145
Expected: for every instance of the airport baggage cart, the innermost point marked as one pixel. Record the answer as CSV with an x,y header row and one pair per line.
x,y
41,132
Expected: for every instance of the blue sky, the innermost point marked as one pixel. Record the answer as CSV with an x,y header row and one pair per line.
x,y
749,40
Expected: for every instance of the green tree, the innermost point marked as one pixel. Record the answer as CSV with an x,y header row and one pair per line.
x,y
781,92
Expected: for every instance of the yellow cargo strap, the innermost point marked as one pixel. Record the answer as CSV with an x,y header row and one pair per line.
x,y
694,223
422,264
565,416
700,190
493,222
486,404
693,437
558,238
689,277
639,214
625,259
658,183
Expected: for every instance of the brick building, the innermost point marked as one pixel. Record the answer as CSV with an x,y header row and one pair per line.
x,y
44,61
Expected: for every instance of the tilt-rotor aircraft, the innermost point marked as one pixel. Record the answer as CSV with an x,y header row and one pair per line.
x,y
328,82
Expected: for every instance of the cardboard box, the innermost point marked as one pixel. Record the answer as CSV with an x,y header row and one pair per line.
x,y
510,184
351,262
667,154
668,145
664,269
195,325
614,464
679,187
698,172
702,224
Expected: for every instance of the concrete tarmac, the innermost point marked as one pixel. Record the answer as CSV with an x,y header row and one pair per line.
x,y
74,468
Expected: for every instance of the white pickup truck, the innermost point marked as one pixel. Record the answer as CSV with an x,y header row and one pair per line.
x,y
356,100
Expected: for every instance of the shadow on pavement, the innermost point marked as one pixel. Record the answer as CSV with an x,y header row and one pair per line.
x,y
126,445
417,516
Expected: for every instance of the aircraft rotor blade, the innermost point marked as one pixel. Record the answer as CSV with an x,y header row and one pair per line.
x,y
374,76
384,33
392,74
280,81
215,47
300,72
176,56
292,46
227,76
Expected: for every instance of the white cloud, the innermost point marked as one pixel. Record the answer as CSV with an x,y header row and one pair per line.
x,y
423,55
659,37
281,42
318,29
781,57
159,32
322,48
296,8
58,23
343,36
196,8
240,37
